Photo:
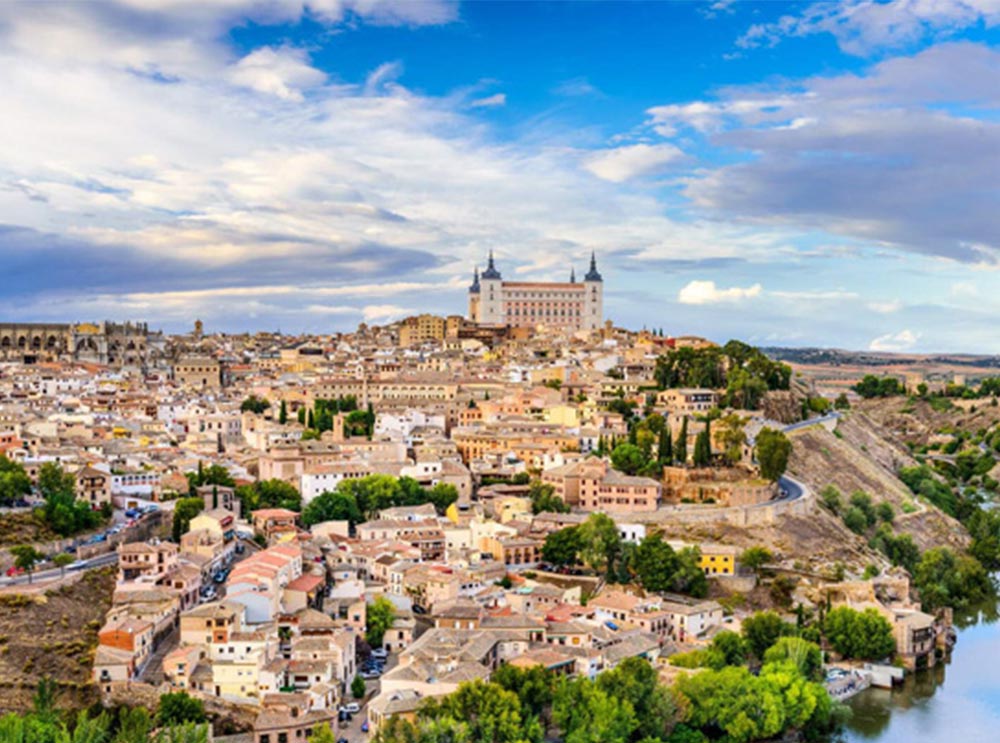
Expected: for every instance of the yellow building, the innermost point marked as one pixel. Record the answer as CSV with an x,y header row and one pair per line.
x,y
716,559
421,328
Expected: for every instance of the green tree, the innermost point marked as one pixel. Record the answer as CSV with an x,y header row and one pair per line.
x,y
379,618
254,404
269,494
442,495
665,450
600,542
865,635
587,714
134,725
534,686
61,561
732,436
773,450
332,506
14,481
544,499
283,413
358,687
628,458
655,563
755,558
177,708
854,519
702,448
26,557
562,547
681,445
762,630
185,509
830,498
486,712
946,579
635,682
806,656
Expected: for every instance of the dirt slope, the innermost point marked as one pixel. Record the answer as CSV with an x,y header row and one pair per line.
x,y
52,634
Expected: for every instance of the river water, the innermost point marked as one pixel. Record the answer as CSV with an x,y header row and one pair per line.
x,y
956,702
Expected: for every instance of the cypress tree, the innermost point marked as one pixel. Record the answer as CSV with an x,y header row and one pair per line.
x,y
283,413
312,420
665,454
681,446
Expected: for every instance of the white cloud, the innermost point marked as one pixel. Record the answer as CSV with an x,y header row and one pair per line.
x,y
284,72
886,308
385,312
491,101
706,292
624,163
918,136
904,340
577,87
863,27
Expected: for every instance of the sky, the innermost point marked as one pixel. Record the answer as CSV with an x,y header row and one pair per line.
x,y
793,174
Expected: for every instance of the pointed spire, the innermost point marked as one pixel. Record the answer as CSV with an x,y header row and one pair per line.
x,y
491,270
572,275
593,274
474,289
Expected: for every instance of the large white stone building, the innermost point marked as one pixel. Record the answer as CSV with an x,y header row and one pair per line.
x,y
570,306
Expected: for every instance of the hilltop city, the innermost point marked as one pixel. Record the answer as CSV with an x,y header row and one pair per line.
x,y
359,535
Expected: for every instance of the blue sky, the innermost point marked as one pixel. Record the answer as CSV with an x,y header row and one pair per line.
x,y
787,173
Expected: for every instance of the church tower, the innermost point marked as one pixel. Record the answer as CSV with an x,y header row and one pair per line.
x,y
491,306
593,284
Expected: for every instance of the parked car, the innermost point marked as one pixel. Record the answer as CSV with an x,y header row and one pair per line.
x,y
351,708
77,565
132,513
380,653
364,726
369,675
14,570
219,577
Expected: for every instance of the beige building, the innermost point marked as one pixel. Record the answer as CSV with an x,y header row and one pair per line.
x,y
421,329
592,485
199,372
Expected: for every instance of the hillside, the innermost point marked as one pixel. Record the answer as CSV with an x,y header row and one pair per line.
x,y
51,633
863,455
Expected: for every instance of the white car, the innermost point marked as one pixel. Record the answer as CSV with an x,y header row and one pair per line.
x,y
369,675
380,653
352,708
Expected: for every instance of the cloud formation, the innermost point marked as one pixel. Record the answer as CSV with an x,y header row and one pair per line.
x,y
904,155
706,292
865,27
631,161
904,340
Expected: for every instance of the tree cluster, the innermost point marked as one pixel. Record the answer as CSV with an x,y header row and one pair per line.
x,y
179,719
361,499
254,404
746,372
62,512
871,386
628,704
269,494
653,563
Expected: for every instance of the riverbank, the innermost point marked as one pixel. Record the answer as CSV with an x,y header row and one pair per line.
x,y
957,700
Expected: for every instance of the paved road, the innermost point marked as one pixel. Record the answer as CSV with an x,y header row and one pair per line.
x,y
96,562
812,422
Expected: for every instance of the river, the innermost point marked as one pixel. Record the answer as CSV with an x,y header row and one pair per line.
x,y
956,702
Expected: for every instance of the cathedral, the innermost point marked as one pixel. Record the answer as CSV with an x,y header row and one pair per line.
x,y
574,305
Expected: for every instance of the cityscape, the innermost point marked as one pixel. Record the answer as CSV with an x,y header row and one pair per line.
x,y
425,371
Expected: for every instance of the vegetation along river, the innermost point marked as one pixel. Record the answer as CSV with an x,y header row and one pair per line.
x,y
958,701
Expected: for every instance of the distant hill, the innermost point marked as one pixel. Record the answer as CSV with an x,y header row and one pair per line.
x,y
840,357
